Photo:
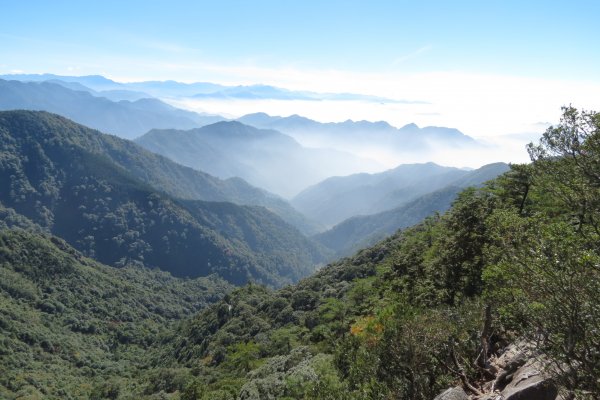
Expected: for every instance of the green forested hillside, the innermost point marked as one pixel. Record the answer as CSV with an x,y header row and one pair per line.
x,y
52,172
71,328
157,171
417,313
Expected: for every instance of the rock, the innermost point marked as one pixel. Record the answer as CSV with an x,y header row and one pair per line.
x,y
530,383
510,366
512,353
455,393
490,396
520,374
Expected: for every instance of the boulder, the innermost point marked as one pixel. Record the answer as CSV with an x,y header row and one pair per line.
x,y
520,374
509,367
455,393
530,383
512,354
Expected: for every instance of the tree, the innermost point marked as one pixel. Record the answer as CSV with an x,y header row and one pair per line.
x,y
515,187
545,273
243,356
548,284
458,260
567,163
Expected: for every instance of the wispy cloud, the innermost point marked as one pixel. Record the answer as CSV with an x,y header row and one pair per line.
x,y
402,59
167,47
541,124
136,41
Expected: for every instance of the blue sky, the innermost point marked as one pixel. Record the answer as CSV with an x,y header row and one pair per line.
x,y
488,68
527,38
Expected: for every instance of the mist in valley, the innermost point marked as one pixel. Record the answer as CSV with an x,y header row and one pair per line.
x,y
381,149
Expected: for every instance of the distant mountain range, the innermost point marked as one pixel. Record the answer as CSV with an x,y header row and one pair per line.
x,y
354,135
134,107
114,94
124,118
95,82
264,157
364,230
338,198
262,92
283,155
111,89
92,190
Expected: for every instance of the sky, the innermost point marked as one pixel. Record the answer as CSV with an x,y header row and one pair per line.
x,y
489,68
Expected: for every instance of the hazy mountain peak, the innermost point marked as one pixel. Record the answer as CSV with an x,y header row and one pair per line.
x,y
239,129
265,157
429,165
336,199
296,117
363,230
230,124
383,125
260,115
71,85
411,126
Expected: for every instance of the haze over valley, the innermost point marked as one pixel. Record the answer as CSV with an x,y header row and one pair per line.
x,y
393,145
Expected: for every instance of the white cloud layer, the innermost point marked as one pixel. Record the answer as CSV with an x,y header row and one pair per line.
x,y
503,112
476,104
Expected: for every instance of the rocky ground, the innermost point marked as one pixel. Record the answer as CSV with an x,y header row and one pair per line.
x,y
517,375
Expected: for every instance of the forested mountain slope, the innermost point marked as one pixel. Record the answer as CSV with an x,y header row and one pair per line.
x,y
177,180
72,328
56,173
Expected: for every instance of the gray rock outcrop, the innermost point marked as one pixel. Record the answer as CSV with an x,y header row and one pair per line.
x,y
530,382
455,393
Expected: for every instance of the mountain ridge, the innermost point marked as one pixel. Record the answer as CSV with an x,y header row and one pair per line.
x,y
338,198
125,118
171,88
264,157
362,231
296,124
52,176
